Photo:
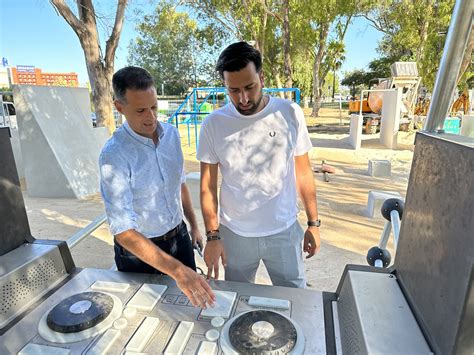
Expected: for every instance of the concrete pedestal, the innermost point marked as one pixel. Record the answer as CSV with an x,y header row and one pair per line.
x,y
355,131
390,122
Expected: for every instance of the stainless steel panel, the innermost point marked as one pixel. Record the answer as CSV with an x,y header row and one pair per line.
x,y
306,308
375,318
435,253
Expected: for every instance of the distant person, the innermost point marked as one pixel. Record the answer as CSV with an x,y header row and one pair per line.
x,y
144,190
260,144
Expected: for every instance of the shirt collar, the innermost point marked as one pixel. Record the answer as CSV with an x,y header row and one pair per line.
x,y
141,139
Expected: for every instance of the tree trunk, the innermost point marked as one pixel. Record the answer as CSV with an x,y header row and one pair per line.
x,y
99,69
287,47
100,81
423,33
323,34
467,58
279,84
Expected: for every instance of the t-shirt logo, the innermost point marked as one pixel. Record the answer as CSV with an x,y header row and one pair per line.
x,y
272,134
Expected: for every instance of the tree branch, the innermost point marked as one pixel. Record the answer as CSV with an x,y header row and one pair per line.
x,y
207,10
63,9
273,14
376,24
112,42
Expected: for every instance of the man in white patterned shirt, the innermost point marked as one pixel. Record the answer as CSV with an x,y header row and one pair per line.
x,y
144,190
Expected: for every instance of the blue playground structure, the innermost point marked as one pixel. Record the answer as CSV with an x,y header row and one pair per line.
x,y
202,101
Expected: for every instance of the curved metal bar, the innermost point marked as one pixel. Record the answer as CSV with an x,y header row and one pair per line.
x,y
84,232
456,41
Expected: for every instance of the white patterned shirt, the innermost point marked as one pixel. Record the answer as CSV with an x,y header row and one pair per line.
x,y
140,182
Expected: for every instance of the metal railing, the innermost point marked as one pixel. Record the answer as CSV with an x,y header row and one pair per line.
x,y
192,106
76,238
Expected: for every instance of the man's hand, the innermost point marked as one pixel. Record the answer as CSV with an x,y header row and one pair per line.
x,y
312,241
214,250
194,287
196,237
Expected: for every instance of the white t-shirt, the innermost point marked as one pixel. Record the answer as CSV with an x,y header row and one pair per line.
x,y
256,158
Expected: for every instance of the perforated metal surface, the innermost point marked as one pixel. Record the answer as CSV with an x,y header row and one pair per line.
x,y
23,283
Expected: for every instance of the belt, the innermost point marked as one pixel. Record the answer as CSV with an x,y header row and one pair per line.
x,y
170,234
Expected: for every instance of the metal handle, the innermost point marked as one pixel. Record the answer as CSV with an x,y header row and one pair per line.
x,y
84,232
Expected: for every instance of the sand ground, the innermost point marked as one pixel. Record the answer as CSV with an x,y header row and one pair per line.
x,y
347,232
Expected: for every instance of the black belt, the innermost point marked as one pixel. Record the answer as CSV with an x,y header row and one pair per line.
x,y
170,234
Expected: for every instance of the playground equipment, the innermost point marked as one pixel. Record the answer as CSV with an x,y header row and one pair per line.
x,y
404,77
392,211
203,100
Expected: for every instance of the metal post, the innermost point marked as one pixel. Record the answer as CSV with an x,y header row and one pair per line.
x,y
340,109
395,220
446,79
84,232
385,235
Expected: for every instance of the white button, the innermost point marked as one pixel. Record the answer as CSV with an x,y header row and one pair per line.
x,y
147,296
217,322
222,306
143,334
104,343
207,348
120,323
212,334
179,339
129,312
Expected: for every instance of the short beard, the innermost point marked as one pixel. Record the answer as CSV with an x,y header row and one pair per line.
x,y
252,109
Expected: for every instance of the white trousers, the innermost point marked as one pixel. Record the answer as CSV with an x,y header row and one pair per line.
x,y
281,253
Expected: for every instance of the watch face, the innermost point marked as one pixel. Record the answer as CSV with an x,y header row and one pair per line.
x,y
316,223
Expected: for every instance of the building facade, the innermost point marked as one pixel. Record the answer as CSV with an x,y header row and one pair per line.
x,y
29,75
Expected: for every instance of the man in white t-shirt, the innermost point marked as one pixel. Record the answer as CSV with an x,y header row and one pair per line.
x,y
260,144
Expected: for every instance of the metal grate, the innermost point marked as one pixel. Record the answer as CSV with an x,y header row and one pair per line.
x,y
30,272
30,283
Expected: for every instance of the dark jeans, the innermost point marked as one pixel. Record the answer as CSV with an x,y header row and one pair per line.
x,y
180,247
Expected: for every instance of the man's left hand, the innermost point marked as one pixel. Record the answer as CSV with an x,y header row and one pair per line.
x,y
312,241
196,237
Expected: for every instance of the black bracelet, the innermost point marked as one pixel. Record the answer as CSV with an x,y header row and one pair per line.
x,y
212,232
210,238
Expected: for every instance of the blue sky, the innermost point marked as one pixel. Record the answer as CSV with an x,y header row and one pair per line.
x,y
31,33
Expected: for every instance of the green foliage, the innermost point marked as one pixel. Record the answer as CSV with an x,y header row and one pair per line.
x,y
414,31
175,50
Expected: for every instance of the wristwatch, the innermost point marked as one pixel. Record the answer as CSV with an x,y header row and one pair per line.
x,y
212,235
316,223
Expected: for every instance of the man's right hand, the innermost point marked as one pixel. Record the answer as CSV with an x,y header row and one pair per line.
x,y
213,251
194,287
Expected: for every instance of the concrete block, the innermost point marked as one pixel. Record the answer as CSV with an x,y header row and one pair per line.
x,y
59,147
376,200
380,168
467,126
355,131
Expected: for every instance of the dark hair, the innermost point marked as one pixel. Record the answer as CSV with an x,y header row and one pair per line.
x,y
133,78
236,57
